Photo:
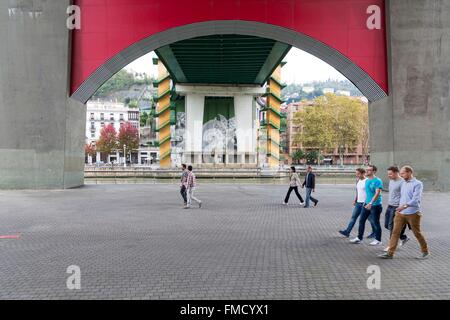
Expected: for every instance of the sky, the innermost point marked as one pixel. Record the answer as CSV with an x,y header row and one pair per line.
x,y
301,68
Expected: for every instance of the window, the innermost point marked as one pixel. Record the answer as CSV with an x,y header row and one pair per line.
x,y
92,134
92,126
121,117
92,116
112,117
102,116
103,124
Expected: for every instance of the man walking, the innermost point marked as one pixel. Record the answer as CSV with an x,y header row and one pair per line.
x,y
294,182
310,184
395,183
373,207
409,211
191,185
358,203
183,187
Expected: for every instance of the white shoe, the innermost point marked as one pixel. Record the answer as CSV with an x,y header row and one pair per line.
x,y
355,240
284,203
302,203
386,249
376,243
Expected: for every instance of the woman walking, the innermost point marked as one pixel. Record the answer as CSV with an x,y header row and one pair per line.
x,y
294,183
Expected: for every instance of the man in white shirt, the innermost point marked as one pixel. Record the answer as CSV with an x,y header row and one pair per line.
x,y
358,203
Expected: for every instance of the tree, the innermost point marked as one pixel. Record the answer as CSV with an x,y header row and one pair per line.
x,y
107,143
312,156
89,149
333,122
144,118
298,155
128,136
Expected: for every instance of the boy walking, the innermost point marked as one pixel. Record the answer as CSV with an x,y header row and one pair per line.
x,y
191,186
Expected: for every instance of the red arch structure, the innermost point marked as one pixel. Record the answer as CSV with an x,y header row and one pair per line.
x,y
115,32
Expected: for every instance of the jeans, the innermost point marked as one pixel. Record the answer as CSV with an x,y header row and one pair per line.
x,y
389,222
184,194
286,200
191,196
357,210
374,217
309,197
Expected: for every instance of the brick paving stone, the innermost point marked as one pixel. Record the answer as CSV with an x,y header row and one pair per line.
x,y
135,242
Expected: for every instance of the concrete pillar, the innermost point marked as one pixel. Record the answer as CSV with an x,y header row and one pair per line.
x,y
42,131
412,126
243,109
195,105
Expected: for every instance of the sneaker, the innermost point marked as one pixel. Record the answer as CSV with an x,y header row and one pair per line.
x,y
385,256
200,205
302,203
284,203
371,236
423,256
315,204
386,249
403,242
186,207
355,240
345,234
376,243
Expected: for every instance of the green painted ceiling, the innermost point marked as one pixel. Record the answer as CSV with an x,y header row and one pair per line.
x,y
223,59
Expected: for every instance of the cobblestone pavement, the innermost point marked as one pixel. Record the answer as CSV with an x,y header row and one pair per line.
x,y
135,242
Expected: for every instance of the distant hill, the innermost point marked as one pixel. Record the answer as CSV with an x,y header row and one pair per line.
x,y
294,92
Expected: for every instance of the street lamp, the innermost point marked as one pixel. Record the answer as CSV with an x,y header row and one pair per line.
x,y
124,156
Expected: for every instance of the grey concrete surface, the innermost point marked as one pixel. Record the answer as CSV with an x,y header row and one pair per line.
x,y
41,130
412,126
135,242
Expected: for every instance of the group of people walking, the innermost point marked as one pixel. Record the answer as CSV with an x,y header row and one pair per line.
x,y
188,185
309,183
404,208
404,205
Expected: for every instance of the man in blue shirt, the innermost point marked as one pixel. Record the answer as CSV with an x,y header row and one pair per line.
x,y
373,207
409,211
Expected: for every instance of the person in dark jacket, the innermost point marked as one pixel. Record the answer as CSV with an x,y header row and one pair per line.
x,y
310,184
183,187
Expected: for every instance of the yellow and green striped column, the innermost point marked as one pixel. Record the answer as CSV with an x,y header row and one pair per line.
x,y
273,119
163,112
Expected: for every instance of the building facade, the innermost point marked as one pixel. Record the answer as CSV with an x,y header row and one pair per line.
x,y
103,113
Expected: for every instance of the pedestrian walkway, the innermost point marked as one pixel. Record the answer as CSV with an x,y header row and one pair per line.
x,y
136,242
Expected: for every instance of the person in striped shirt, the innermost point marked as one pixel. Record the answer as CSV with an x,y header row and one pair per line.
x,y
191,186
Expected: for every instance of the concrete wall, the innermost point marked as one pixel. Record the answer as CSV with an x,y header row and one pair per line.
x,y
413,125
41,130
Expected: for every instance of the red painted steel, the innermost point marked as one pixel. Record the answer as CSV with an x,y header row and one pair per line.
x,y
110,26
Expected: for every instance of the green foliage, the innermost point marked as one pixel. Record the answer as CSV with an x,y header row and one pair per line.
x,y
333,121
298,155
313,156
319,86
122,80
144,118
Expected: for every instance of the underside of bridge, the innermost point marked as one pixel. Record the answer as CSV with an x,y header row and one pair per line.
x,y
223,59
215,79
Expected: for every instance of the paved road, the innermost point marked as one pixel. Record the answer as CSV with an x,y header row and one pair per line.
x,y
135,242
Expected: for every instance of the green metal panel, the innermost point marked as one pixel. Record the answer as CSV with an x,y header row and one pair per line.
x,y
223,59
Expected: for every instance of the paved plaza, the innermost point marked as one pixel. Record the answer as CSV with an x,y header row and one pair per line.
x,y
136,242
